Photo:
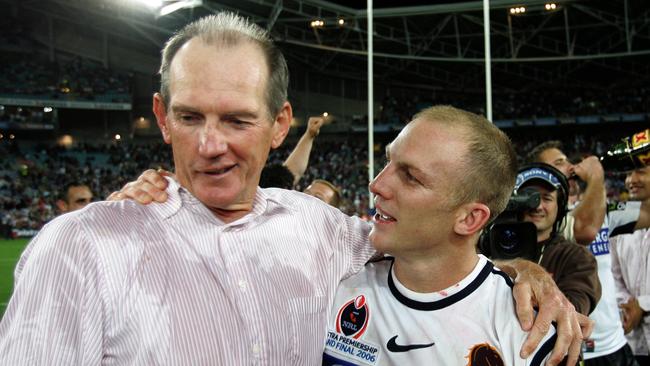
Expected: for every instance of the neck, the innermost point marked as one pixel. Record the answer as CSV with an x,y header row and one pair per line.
x,y
228,216
543,235
436,271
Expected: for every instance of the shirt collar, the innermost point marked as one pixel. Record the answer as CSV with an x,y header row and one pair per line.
x,y
263,204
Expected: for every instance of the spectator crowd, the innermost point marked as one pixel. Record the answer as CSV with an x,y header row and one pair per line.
x,y
31,176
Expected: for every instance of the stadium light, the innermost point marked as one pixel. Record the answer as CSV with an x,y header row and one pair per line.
x,y
318,23
47,109
341,21
65,141
325,114
118,137
550,6
2,136
12,136
518,10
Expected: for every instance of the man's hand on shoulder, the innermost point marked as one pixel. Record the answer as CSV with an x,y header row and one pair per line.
x,y
534,287
150,186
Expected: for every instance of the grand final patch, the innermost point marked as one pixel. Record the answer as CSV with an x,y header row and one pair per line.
x,y
484,355
352,318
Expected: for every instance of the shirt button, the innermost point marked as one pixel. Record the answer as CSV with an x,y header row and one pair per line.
x,y
243,284
256,349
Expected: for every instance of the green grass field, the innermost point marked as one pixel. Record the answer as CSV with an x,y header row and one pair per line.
x,y
9,253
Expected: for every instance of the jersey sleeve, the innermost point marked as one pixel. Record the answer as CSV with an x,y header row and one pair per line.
x,y
512,337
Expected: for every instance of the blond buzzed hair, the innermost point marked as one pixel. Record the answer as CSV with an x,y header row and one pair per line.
x,y
490,162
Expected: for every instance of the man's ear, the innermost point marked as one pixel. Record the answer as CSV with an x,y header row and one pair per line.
x,y
471,218
62,206
160,111
281,125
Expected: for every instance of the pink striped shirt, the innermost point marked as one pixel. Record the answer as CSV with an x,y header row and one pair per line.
x,y
169,284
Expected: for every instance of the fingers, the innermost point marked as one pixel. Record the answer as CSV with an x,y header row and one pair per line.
x,y
150,186
155,178
524,305
539,329
553,307
115,196
576,342
589,168
585,324
166,173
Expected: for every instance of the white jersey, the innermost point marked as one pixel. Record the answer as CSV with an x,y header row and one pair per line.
x,y
376,320
607,336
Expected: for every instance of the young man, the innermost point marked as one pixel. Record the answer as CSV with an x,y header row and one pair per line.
x,y
434,300
630,247
75,196
572,266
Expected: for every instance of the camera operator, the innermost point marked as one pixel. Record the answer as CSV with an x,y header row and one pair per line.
x,y
573,268
607,344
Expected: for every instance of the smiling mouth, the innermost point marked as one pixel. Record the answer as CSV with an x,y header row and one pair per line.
x,y
380,217
218,171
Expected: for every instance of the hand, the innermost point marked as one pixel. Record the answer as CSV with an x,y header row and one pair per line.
x,y
534,286
589,170
150,186
314,124
632,315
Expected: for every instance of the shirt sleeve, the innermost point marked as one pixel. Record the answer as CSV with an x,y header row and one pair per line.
x,y
353,242
54,316
578,279
512,337
622,293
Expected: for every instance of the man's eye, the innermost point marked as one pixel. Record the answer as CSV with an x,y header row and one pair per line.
x,y
410,178
239,123
188,118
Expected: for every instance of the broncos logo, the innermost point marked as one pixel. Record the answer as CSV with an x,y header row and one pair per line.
x,y
484,355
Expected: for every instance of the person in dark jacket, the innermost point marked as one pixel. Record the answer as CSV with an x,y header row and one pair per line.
x,y
572,266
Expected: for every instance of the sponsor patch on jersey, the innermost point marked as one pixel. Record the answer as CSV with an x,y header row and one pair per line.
x,y
352,351
352,318
484,355
600,245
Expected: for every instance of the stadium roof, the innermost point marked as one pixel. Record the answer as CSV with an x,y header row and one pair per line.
x,y
598,44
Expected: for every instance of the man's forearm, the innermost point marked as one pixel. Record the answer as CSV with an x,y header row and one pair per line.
x,y
299,158
590,213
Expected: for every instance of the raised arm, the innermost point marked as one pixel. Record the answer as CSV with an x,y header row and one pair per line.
x,y
590,213
299,158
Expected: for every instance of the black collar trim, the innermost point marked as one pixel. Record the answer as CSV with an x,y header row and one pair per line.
x,y
440,304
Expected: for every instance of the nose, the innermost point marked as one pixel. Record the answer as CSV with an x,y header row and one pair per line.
x,y
379,186
212,141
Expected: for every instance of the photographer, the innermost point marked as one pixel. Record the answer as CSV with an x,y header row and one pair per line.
x,y
573,268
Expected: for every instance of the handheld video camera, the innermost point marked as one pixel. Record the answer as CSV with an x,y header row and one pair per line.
x,y
509,237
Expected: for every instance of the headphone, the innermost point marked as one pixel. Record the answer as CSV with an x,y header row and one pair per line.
x,y
549,174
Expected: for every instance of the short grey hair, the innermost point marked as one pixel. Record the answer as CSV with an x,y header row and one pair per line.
x,y
229,29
